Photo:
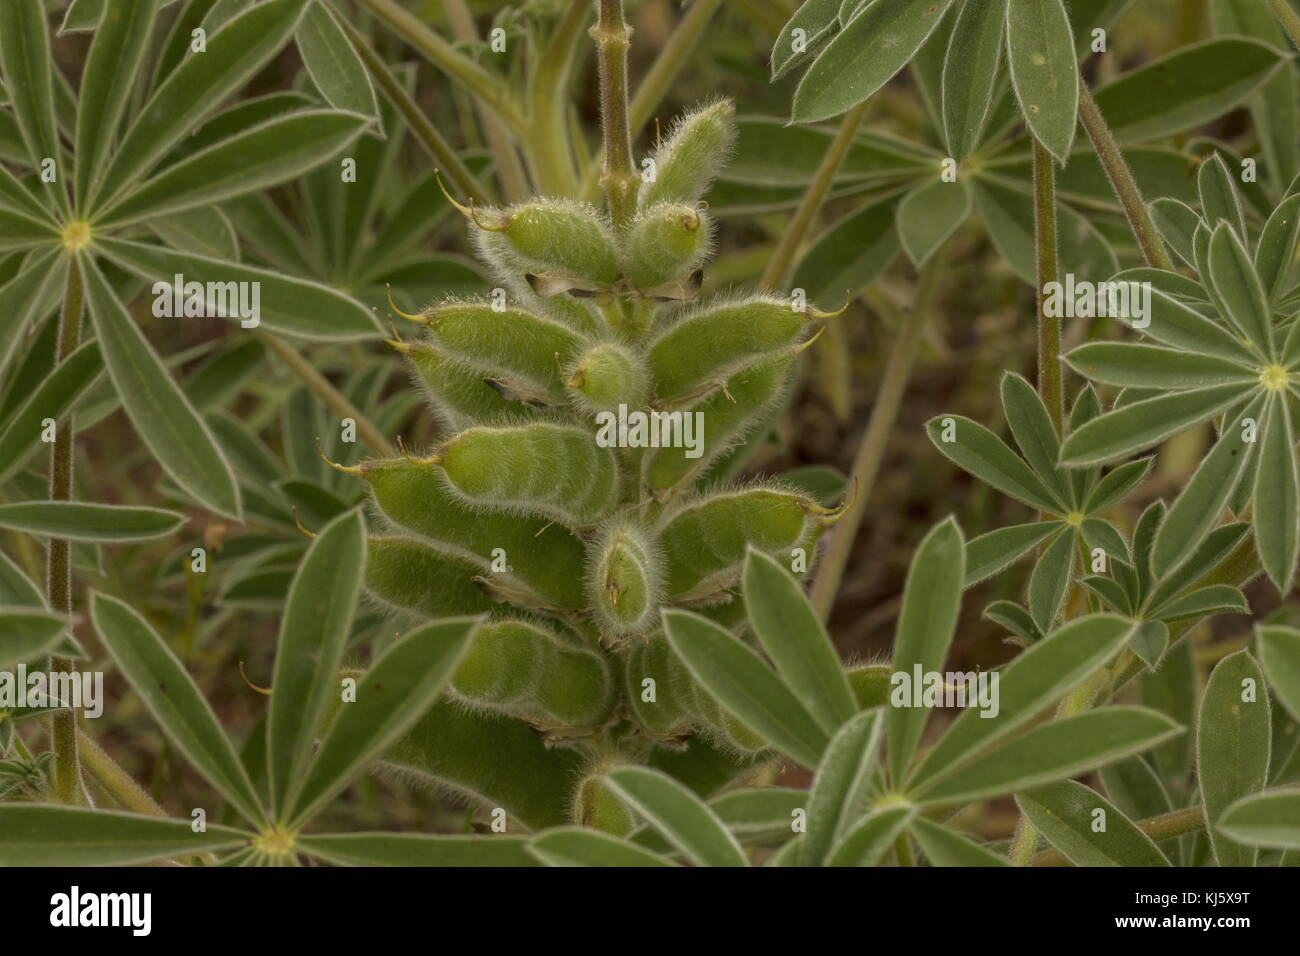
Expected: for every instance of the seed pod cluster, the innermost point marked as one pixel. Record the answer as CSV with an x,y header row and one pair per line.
x,y
586,403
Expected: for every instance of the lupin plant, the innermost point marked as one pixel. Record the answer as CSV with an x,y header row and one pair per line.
x,y
546,578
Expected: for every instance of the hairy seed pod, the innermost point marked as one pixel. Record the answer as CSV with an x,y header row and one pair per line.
x,y
551,238
578,314
608,375
711,343
463,395
411,576
553,470
728,418
521,669
543,566
668,715
871,684
514,345
704,540
667,243
626,581
688,161
595,806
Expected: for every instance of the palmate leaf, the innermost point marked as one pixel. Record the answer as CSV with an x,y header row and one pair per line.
x,y
80,521
1276,519
1134,365
865,54
1219,199
28,73
926,623
1279,655
871,837
929,214
819,20
574,846
852,253
39,835
163,417
1031,682
175,701
201,81
33,291
970,71
416,849
1051,752
57,394
993,552
333,65
1067,814
1142,424
841,785
28,632
794,639
266,155
1264,819
1187,88
944,847
116,53
683,819
1044,72
1203,498
290,305
1233,743
743,684
1237,291
317,620
977,450
1051,579
399,688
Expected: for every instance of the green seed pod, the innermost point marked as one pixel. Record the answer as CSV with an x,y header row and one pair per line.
x,y
608,375
667,244
515,346
536,565
549,238
553,470
626,581
405,574
595,806
728,418
578,314
521,669
697,147
669,714
871,684
705,539
711,343
463,395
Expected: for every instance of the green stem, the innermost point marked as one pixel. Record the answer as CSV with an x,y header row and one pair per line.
x,y
1121,180
618,173
1287,16
551,149
444,155
1164,827
320,386
782,261
482,83
58,579
1048,266
903,847
884,413
116,781
667,66
514,181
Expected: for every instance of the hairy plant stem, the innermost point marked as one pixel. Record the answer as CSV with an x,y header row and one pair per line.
x,y
871,452
58,576
1121,180
482,83
1164,827
1289,19
655,85
1047,260
782,261
443,153
514,181
320,386
618,173
116,782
